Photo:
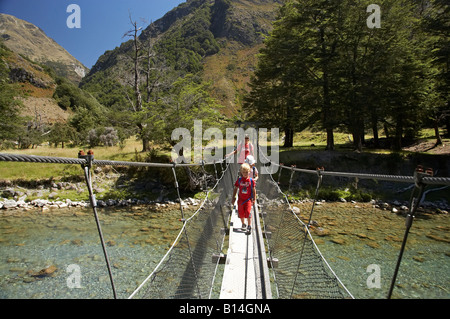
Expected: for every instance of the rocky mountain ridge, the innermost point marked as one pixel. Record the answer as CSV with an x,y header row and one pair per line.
x,y
30,41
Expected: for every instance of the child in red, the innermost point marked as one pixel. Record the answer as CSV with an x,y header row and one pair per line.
x,y
243,150
245,187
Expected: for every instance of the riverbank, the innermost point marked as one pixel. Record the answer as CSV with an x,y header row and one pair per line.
x,y
18,201
45,204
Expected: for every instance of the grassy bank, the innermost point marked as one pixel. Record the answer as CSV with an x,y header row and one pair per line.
x,y
308,152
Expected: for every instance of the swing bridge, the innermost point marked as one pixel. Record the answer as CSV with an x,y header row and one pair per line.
x,y
212,255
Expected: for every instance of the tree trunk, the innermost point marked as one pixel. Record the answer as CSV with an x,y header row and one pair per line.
x,y
436,133
397,143
330,140
375,128
288,137
326,108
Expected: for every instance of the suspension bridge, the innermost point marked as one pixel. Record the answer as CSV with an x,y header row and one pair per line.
x,y
277,259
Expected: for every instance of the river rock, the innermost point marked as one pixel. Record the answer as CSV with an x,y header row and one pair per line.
x,y
437,238
9,203
373,244
53,195
46,272
319,231
339,241
111,243
77,242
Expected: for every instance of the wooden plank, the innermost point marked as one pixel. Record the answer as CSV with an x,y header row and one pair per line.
x,y
245,276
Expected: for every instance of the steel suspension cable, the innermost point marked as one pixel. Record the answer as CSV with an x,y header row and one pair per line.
x,y
430,180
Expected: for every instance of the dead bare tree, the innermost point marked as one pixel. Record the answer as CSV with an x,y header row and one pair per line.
x,y
136,57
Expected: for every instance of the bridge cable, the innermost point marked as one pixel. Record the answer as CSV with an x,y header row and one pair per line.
x,y
87,174
414,203
421,179
268,161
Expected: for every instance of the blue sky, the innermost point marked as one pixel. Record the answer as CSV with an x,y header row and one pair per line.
x,y
103,22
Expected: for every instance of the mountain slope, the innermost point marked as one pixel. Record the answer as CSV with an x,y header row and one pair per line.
x,y
25,38
217,39
33,85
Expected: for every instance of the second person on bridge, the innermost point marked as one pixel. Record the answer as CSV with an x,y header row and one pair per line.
x,y
246,189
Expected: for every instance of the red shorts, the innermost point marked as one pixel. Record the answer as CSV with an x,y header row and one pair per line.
x,y
245,209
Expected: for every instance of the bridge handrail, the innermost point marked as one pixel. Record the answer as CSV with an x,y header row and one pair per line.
x,y
67,160
394,178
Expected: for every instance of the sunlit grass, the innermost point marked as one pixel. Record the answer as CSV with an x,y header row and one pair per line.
x,y
33,171
304,141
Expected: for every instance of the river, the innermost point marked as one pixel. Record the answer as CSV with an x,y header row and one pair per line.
x,y
65,242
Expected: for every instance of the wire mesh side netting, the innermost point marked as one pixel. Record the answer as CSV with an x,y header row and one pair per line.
x,y
301,271
188,269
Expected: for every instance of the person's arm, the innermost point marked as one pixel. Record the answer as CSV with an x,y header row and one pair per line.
x,y
233,152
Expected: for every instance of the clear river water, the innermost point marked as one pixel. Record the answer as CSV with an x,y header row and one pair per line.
x,y
56,254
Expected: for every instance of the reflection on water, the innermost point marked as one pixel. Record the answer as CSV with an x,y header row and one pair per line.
x,y
350,238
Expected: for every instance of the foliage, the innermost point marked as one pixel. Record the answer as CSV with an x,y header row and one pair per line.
x,y
322,67
188,100
106,136
10,120
187,44
61,133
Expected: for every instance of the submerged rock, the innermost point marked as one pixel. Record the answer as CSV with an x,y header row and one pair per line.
x,y
45,272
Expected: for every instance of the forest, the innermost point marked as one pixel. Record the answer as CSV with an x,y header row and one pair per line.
x,y
325,66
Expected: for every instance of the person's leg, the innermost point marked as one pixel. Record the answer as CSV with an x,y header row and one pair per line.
x,y
241,213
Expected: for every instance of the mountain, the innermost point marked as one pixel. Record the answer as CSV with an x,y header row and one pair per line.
x,y
217,39
30,41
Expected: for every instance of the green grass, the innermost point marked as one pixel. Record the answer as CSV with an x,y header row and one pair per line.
x,y
36,171
304,141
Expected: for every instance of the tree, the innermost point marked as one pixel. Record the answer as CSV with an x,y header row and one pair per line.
x,y
188,100
295,68
437,27
10,119
136,57
323,61
61,132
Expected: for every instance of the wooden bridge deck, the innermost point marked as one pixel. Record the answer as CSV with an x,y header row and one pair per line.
x,y
246,274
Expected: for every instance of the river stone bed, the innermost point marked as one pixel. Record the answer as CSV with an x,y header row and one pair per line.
x,y
39,250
